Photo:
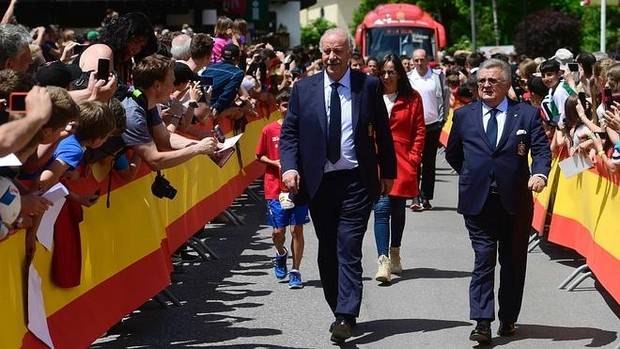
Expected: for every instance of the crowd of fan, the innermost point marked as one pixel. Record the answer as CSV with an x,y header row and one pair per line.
x,y
125,94
578,98
129,93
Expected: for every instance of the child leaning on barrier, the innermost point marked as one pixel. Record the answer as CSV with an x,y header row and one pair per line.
x,y
282,212
95,124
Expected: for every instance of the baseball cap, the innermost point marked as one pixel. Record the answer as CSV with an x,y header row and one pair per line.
x,y
58,74
183,73
563,56
92,35
230,52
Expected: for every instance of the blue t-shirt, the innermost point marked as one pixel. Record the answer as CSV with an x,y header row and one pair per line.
x,y
69,151
121,163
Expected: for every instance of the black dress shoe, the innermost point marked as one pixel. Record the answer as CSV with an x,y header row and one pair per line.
x,y
481,334
506,329
341,330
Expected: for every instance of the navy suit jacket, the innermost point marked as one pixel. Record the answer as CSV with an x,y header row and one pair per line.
x,y
303,139
471,155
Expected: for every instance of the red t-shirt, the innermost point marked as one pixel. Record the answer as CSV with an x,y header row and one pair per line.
x,y
268,146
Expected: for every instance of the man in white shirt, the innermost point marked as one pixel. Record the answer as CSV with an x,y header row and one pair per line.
x,y
337,154
431,87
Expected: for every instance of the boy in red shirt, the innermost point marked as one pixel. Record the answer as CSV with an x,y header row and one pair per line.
x,y
281,210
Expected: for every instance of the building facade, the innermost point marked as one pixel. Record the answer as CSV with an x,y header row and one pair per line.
x,y
263,16
339,12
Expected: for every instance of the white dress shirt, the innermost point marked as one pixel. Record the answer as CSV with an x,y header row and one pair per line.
x,y
429,91
500,116
501,121
348,159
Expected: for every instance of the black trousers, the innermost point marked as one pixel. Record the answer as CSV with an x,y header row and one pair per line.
x,y
340,212
426,176
491,231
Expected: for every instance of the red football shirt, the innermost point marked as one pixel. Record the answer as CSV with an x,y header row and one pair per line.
x,y
268,146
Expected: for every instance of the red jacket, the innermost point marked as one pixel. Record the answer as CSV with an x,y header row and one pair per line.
x,y
407,125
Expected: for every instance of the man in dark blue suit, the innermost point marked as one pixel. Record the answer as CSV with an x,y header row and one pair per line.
x,y
488,147
336,153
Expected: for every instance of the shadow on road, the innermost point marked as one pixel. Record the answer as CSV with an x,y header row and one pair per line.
x,y
210,299
374,331
442,209
597,337
429,273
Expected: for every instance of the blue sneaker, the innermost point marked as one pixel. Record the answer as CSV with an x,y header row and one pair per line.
x,y
294,279
279,266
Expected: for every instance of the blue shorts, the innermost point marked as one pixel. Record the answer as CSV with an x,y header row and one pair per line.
x,y
279,218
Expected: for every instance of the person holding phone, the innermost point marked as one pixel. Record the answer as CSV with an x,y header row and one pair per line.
x,y
16,134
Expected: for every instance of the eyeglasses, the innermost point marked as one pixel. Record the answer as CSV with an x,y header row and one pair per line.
x,y
419,59
388,72
491,81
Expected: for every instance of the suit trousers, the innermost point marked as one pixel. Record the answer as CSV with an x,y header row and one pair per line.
x,y
340,211
495,228
426,177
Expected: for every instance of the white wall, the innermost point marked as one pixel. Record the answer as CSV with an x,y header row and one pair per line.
x,y
287,14
339,12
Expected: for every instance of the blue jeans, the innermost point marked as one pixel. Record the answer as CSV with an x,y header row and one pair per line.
x,y
386,207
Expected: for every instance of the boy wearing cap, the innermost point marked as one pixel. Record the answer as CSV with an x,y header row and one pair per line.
x,y
281,210
559,90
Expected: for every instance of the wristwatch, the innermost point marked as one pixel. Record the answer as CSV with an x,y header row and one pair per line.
x,y
193,104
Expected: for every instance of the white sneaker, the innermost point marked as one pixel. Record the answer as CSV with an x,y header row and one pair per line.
x,y
395,265
384,274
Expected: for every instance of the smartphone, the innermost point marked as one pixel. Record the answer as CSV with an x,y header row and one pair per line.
x,y
584,103
608,98
103,69
79,48
218,134
206,80
17,102
602,135
574,67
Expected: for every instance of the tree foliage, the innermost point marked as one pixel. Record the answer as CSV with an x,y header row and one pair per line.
x,y
455,16
311,34
542,33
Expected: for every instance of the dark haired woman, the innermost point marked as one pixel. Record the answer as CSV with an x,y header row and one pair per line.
x,y
123,39
404,106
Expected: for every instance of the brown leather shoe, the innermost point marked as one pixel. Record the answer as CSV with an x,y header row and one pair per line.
x,y
341,331
506,329
482,333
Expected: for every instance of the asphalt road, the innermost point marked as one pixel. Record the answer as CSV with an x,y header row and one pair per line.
x,y
235,301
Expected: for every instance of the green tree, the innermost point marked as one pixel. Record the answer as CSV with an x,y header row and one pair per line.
x,y
311,34
455,16
541,33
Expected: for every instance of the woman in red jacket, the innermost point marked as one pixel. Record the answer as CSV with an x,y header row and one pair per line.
x,y
404,106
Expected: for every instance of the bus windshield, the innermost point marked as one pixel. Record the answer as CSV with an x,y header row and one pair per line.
x,y
400,41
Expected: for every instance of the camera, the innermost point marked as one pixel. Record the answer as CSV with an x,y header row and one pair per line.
x,y
162,188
